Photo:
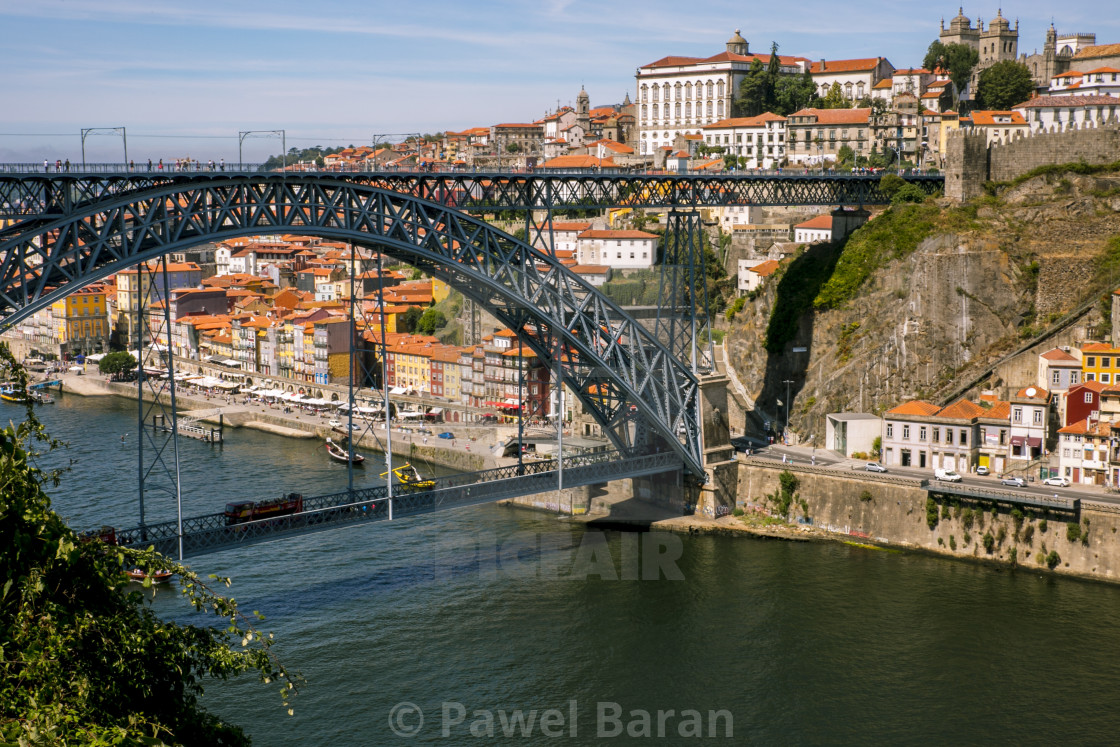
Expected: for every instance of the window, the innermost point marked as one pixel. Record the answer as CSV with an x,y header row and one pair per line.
x,y
949,436
1055,377
1106,363
1037,416
1091,362
1088,397
1017,415
890,430
1105,378
922,433
964,437
1090,377
937,435
1074,377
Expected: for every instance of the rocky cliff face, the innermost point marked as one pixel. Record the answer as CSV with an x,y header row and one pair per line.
x,y
942,313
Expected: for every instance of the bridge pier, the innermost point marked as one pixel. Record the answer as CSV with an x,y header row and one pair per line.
x,y
716,496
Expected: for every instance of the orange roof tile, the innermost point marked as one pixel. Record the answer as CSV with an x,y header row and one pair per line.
x,y
765,269
845,66
962,409
820,222
915,407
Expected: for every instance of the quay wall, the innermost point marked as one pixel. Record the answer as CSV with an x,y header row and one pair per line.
x,y
890,510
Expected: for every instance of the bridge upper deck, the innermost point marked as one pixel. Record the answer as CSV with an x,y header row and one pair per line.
x,y
25,194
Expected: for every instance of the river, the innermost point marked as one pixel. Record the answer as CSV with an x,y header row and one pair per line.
x,y
776,642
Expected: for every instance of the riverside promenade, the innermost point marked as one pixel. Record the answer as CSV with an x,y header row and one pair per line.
x,y
472,449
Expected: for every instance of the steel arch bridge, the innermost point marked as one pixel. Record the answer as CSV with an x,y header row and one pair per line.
x,y
628,380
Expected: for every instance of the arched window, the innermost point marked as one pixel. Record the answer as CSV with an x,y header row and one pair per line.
x,y
657,93
848,90
645,93
656,112
688,110
859,89
688,91
677,92
719,89
709,92
709,110
644,111
666,91
677,110
719,109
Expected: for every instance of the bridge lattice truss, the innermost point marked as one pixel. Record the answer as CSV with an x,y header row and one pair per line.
x,y
36,194
624,377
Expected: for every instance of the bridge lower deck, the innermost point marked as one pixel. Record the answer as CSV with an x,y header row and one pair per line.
x,y
212,533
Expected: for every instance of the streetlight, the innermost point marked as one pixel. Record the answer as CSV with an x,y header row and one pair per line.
x,y
785,431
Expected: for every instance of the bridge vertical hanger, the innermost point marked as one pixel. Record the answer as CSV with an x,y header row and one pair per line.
x,y
87,131
242,135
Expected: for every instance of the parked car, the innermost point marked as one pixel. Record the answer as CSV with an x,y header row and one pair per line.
x,y
983,471
875,467
447,434
1056,481
1014,482
946,475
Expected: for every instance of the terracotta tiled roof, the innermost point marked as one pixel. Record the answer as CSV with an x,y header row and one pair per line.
x,y
984,118
571,226
999,410
1088,427
758,121
1099,50
765,269
884,83
1057,355
820,222
1033,392
578,162
1093,386
624,234
1043,102
1098,347
845,66
963,409
1103,70
591,269
835,116
915,407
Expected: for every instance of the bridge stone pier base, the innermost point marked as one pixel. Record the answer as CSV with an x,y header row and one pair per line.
x,y
716,497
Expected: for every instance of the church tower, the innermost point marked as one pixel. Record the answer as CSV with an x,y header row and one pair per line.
x,y
583,112
1000,42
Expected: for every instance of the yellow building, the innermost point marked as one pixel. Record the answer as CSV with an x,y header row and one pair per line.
x,y
440,290
81,321
1100,362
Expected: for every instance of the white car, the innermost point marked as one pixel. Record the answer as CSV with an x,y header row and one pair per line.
x,y
1058,482
946,475
875,467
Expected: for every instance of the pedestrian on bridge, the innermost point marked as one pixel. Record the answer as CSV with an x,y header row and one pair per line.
x,y
46,166
149,165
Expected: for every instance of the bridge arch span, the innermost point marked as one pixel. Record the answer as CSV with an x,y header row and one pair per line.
x,y
628,380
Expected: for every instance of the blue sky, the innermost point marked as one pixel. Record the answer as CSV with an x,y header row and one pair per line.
x,y
335,72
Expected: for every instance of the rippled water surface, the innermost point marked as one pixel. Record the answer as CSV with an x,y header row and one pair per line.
x,y
800,643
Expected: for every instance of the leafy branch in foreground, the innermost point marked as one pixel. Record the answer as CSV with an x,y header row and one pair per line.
x,y
83,658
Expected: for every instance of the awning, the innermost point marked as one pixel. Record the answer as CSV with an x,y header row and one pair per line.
x,y
397,390
435,411
410,414
1018,440
1034,443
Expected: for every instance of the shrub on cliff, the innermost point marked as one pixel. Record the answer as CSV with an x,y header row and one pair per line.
x,y
932,512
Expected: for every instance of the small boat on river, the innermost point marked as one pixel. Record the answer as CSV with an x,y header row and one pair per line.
x,y
40,397
340,453
158,577
11,393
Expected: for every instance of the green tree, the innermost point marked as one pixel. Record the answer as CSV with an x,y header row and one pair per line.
x,y
1003,85
835,99
406,322
430,321
117,363
513,148
793,93
845,157
907,193
85,660
890,184
754,91
958,60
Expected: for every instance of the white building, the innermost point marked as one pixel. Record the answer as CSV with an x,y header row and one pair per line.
x,y
565,236
996,125
857,78
1045,112
1083,451
678,95
813,230
761,140
1030,419
619,250
753,272
1058,370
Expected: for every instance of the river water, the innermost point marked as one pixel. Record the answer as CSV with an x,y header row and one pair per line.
x,y
775,642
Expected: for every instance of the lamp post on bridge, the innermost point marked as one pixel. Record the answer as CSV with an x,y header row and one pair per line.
x,y
87,131
282,134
